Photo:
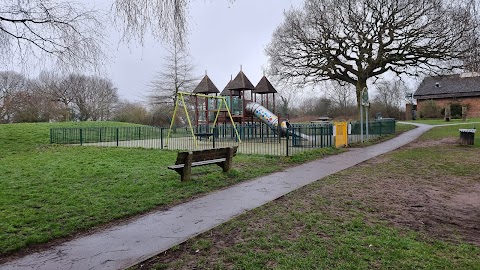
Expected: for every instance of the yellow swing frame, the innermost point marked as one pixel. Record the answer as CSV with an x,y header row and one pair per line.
x,y
180,98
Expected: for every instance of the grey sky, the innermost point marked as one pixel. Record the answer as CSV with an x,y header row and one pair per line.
x,y
223,36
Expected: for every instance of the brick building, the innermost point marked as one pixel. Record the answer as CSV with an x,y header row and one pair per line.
x,y
458,89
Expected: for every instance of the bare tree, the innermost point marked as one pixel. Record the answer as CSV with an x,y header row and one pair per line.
x,y
351,41
56,89
11,83
44,29
131,112
166,19
176,76
93,97
316,106
342,96
33,106
389,96
105,97
288,94
71,34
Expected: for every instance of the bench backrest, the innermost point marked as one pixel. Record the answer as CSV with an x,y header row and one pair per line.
x,y
208,154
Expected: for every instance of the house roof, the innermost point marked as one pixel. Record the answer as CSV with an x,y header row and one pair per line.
x,y
448,86
241,82
264,86
206,86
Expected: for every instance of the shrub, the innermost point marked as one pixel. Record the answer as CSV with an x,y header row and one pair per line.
x,y
430,110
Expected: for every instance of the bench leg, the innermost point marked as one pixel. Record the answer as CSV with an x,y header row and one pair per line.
x,y
187,169
227,165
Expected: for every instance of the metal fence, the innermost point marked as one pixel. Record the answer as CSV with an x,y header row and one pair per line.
x,y
251,139
377,128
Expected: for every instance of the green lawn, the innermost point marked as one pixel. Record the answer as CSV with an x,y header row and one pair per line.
x,y
368,217
451,132
51,191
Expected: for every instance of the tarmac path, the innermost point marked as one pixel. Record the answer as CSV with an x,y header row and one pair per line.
x,y
124,245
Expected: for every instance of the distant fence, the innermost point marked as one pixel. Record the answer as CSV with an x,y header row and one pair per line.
x,y
251,139
377,128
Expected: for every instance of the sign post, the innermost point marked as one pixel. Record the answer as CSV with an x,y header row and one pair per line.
x,y
364,103
361,118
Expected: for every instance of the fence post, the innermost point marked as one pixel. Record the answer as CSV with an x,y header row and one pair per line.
x,y
51,136
81,137
213,136
161,138
287,135
279,132
321,136
116,131
330,135
139,132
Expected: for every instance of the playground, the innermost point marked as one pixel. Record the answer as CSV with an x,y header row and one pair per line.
x,y
240,103
241,115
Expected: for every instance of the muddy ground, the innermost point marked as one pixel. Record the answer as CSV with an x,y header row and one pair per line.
x,y
442,206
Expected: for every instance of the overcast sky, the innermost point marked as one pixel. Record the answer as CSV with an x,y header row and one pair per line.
x,y
223,36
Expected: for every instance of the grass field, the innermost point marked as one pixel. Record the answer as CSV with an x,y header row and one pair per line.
x,y
451,131
49,191
414,208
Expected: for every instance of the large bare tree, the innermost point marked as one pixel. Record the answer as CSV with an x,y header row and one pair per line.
x,y
176,75
351,41
45,30
94,97
70,34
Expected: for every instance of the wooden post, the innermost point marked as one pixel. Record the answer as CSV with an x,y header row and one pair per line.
x,y
228,160
464,113
448,113
187,169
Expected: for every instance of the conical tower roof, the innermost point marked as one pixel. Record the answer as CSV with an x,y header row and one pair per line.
x,y
264,86
227,92
241,82
206,86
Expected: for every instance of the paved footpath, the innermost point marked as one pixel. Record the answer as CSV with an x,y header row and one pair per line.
x,y
125,245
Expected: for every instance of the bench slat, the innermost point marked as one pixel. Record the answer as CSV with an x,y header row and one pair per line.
x,y
199,163
202,155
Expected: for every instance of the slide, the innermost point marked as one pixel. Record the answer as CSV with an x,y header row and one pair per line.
x,y
270,119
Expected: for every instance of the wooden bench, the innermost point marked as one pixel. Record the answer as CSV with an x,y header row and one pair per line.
x,y
186,160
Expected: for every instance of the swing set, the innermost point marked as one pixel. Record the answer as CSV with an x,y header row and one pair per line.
x,y
221,101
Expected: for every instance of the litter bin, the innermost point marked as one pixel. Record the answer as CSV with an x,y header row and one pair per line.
x,y
467,136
